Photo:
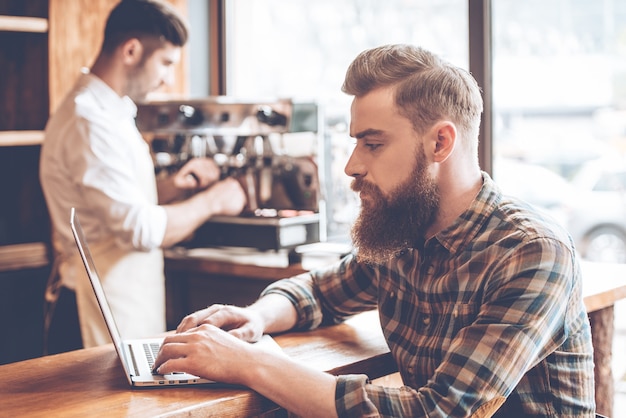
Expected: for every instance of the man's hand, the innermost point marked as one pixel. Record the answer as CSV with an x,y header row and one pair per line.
x,y
200,347
205,351
197,173
242,323
226,197
212,353
270,314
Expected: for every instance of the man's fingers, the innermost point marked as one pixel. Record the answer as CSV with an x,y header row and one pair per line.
x,y
193,180
170,350
198,318
172,366
245,333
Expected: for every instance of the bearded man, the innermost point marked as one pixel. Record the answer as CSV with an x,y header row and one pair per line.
x,y
479,295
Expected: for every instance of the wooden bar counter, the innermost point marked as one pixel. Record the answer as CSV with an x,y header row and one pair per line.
x,y
59,385
603,285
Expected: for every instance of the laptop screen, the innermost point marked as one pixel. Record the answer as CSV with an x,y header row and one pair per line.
x,y
90,267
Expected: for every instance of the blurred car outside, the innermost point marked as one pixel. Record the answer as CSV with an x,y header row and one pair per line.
x,y
592,206
597,211
535,184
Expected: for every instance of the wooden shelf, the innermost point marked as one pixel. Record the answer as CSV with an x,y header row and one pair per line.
x,y
23,24
21,256
20,138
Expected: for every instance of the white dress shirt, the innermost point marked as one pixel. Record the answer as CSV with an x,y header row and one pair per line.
x,y
94,159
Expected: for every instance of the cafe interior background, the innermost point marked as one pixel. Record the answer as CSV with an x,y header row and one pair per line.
x,y
553,76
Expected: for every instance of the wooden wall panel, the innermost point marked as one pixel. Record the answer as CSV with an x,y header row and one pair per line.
x,y
23,81
24,8
23,69
23,212
75,35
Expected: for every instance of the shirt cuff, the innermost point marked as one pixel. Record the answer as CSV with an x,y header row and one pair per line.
x,y
298,290
159,222
351,399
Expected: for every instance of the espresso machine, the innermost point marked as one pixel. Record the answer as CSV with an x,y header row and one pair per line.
x,y
270,146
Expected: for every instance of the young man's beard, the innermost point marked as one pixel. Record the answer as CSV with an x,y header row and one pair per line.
x,y
385,226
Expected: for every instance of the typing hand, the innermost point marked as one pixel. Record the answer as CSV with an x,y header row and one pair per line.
x,y
205,351
242,323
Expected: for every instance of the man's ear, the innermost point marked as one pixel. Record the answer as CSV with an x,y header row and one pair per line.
x,y
445,141
132,51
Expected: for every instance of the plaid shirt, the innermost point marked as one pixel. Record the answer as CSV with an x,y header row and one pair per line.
x,y
489,309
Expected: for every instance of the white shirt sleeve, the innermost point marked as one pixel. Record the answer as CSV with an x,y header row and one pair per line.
x,y
118,184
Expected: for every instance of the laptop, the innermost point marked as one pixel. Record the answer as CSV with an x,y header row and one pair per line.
x,y
136,355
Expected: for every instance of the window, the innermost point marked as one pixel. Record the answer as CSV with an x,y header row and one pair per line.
x,y
301,49
559,100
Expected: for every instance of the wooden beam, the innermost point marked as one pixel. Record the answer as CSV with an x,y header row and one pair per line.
x,y
23,24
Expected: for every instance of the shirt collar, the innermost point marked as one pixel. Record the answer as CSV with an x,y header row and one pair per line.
x,y
107,97
466,227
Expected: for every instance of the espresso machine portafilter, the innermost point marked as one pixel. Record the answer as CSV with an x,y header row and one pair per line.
x,y
270,146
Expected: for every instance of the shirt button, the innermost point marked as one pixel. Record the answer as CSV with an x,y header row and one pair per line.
x,y
426,320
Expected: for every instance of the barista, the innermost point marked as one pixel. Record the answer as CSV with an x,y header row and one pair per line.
x,y
95,159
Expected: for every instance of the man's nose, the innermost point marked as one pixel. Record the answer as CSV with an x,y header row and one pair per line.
x,y
169,77
354,166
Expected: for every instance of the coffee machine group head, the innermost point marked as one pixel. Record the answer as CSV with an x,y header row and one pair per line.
x,y
270,146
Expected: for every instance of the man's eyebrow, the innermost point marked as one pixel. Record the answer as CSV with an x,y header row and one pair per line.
x,y
368,132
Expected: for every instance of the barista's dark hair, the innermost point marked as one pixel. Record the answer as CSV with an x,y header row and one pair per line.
x,y
427,88
153,22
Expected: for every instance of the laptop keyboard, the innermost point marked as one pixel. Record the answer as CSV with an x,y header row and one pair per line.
x,y
151,351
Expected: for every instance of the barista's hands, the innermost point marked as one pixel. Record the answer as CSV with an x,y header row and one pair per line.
x,y
226,197
197,173
243,323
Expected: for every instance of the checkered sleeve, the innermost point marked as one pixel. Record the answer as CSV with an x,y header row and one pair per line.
x,y
351,398
329,295
299,291
355,396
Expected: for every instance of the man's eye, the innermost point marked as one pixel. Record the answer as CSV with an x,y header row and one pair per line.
x,y
373,147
